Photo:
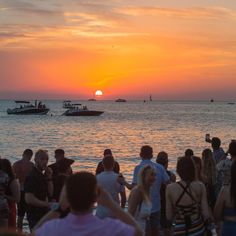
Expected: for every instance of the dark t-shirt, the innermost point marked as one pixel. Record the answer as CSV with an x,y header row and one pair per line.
x,y
36,184
100,168
58,183
54,168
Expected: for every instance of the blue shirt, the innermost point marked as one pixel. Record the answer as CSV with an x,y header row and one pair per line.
x,y
218,155
161,177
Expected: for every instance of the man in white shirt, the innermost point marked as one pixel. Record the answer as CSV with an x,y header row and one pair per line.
x,y
108,180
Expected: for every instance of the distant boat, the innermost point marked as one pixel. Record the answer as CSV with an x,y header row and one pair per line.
x,y
231,103
79,110
120,100
92,100
67,104
27,108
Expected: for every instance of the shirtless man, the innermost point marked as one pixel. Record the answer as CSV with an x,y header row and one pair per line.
x,y
22,169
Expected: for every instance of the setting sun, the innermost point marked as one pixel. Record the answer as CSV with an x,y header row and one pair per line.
x,y
98,93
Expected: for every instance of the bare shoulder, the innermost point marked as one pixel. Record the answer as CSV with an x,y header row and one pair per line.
x,y
172,187
198,184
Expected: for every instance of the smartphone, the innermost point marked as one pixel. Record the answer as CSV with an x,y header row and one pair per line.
x,y
207,138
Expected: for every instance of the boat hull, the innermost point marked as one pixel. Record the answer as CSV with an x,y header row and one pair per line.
x,y
28,111
83,113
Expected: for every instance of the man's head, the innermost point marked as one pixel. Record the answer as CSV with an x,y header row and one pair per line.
x,y
146,152
108,162
215,143
41,159
59,154
107,152
232,149
81,191
188,152
162,159
27,154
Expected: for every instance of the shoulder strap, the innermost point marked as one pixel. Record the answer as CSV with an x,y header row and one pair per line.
x,y
182,194
185,190
188,191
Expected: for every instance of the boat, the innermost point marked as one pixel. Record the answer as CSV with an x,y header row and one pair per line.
x,y
231,103
67,104
120,100
27,108
80,110
92,100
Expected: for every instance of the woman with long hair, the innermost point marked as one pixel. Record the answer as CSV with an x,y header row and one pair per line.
x,y
209,175
198,168
225,208
139,203
12,193
186,202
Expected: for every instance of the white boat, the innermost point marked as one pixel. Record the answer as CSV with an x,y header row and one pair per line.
x,y
27,108
67,104
79,110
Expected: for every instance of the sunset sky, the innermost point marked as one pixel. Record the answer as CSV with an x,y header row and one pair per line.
x,y
172,49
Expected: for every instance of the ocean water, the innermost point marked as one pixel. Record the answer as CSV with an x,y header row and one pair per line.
x,y
124,127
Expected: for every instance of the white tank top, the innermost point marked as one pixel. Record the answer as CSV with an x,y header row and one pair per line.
x,y
142,214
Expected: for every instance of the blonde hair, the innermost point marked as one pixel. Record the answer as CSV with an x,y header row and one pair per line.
x,y
141,181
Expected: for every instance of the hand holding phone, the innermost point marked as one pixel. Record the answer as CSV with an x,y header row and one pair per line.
x,y
207,138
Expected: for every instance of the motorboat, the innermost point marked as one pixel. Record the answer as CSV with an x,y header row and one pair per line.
x,y
120,100
80,110
67,104
27,108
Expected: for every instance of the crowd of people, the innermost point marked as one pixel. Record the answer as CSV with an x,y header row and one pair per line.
x,y
201,200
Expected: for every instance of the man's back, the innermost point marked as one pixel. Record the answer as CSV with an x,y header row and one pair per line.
x,y
218,155
22,168
108,181
85,225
